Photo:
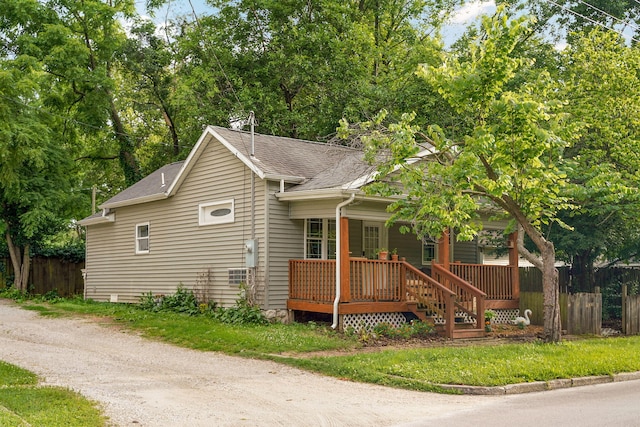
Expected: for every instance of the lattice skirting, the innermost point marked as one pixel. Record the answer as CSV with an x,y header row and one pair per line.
x,y
505,315
369,320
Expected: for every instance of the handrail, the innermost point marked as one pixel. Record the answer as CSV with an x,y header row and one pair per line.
x,y
431,296
456,279
469,299
425,276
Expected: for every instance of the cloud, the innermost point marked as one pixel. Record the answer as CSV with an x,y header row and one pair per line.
x,y
471,10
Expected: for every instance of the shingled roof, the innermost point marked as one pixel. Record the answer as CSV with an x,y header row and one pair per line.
x,y
309,165
148,188
278,156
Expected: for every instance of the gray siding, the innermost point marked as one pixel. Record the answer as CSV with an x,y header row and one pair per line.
x,y
286,241
466,252
407,245
314,209
181,251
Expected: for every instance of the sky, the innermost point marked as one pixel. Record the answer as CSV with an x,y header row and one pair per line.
x,y
462,18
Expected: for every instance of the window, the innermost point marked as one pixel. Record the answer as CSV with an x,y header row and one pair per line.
x,y
142,238
237,276
428,252
216,213
320,238
371,239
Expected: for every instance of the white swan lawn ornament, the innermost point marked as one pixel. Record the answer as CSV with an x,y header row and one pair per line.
x,y
523,321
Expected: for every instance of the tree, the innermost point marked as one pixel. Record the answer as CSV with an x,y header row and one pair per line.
x,y
302,65
566,19
78,44
35,167
509,159
600,84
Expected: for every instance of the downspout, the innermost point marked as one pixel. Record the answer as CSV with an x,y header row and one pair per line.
x,y
336,301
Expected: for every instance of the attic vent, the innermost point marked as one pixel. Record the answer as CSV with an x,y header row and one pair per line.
x,y
221,212
216,213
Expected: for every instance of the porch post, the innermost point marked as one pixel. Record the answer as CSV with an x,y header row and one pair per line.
x,y
343,253
444,252
513,263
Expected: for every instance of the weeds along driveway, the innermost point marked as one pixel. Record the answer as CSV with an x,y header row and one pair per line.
x,y
146,383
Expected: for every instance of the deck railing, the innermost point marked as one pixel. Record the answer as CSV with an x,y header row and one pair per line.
x,y
312,280
470,301
494,280
374,280
442,295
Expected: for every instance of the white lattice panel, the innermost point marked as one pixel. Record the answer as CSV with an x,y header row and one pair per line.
x,y
369,320
506,315
465,318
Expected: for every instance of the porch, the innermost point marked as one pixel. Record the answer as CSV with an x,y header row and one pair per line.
x,y
453,296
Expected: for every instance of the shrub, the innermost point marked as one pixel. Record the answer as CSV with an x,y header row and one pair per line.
x,y
413,329
185,301
243,312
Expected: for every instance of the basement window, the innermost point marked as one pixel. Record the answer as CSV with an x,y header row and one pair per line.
x,y
237,276
216,213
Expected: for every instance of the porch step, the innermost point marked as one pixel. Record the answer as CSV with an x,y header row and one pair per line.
x,y
468,333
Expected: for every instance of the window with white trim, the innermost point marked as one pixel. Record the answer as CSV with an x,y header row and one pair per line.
x,y
429,252
142,238
320,238
221,212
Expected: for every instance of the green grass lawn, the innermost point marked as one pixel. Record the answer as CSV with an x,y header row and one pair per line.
x,y
414,368
24,403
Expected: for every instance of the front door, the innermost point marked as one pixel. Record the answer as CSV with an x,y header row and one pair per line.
x,y
374,238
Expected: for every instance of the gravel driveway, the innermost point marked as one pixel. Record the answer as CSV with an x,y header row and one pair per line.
x,y
144,383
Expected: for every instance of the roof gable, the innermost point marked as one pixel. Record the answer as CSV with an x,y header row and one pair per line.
x,y
309,165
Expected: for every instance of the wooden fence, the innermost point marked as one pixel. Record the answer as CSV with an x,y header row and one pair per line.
x,y
580,313
47,275
630,312
584,313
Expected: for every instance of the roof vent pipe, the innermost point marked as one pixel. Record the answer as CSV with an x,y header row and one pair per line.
x,y
336,301
162,178
252,121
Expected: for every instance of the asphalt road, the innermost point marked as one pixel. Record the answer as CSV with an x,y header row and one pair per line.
x,y
612,404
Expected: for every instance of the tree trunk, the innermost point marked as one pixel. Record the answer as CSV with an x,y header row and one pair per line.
x,y
20,263
550,287
551,295
126,149
583,272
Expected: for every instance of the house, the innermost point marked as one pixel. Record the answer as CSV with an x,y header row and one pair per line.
x,y
288,218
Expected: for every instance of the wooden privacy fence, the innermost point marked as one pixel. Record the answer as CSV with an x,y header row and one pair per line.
x,y
580,313
584,313
630,312
49,274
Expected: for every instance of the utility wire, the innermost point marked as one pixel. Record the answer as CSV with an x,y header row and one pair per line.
x,y
195,16
593,21
626,23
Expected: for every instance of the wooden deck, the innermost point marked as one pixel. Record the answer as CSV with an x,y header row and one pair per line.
x,y
375,286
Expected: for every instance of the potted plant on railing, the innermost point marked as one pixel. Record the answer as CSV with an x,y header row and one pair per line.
x,y
488,317
382,254
394,254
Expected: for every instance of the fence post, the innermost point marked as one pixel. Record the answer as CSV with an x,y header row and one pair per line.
x,y
625,317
